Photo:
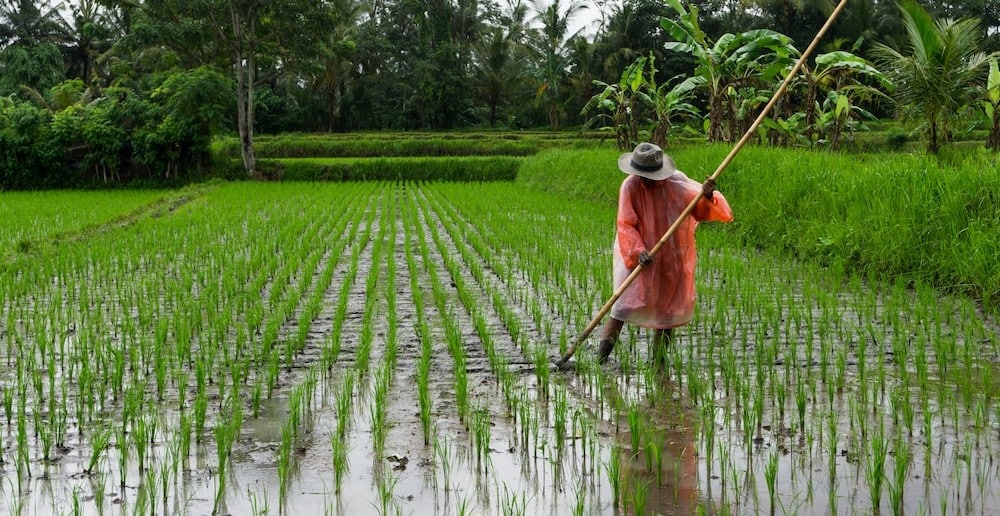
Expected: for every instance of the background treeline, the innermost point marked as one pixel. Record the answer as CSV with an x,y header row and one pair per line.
x,y
140,106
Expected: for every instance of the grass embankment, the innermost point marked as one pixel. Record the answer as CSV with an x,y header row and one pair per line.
x,y
398,156
499,168
899,216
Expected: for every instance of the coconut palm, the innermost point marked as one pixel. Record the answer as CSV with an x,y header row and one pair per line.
x,y
941,71
554,19
27,22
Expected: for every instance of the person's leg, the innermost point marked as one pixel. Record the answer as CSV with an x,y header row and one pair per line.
x,y
612,329
660,345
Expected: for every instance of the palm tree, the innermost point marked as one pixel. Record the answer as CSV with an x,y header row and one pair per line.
x,y
497,70
90,36
337,59
551,50
940,73
27,22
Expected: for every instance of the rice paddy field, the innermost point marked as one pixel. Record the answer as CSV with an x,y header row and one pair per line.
x,y
385,348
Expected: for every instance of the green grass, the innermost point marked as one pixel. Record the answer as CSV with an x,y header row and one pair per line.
x,y
28,217
925,219
501,168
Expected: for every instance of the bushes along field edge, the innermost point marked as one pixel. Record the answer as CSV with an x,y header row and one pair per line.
x,y
305,147
901,215
391,169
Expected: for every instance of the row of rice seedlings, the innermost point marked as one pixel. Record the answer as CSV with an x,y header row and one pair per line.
x,y
453,335
135,360
423,329
817,328
521,407
383,377
873,391
344,400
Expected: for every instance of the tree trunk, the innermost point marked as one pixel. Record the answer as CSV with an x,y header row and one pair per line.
x,y
994,140
245,76
714,118
811,111
932,145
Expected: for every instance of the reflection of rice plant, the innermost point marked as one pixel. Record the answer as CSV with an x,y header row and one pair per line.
x,y
770,477
512,503
481,433
443,450
613,468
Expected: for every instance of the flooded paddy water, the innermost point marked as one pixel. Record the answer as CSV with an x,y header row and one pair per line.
x,y
379,348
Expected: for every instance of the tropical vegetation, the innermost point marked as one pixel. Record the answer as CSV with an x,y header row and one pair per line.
x,y
95,92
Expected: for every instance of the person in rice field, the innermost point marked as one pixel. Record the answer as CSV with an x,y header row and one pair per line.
x,y
650,199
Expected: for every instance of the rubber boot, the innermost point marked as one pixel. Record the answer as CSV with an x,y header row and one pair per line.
x,y
607,345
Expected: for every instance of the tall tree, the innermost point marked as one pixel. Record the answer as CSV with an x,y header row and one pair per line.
x,y
30,32
28,22
89,37
554,20
940,71
237,34
338,58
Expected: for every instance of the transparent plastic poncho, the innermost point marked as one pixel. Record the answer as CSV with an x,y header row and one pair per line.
x,y
662,295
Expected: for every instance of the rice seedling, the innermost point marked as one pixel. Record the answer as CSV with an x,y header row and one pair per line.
x,y
639,495
386,486
443,450
481,434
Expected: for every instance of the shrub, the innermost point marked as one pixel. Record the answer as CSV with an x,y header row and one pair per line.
x,y
409,169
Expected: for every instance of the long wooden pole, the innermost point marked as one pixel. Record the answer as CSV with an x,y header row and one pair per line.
x,y
718,171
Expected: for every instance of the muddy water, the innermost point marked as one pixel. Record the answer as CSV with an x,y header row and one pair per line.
x,y
564,444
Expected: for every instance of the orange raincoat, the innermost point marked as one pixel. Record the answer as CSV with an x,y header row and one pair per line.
x,y
663,295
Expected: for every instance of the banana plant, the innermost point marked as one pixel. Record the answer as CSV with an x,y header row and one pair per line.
x,y
846,74
754,58
785,131
622,101
668,101
838,114
992,105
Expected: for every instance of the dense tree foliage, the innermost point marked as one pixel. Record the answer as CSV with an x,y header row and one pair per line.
x,y
336,65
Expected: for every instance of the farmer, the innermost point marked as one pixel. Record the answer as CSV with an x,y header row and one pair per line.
x,y
649,201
